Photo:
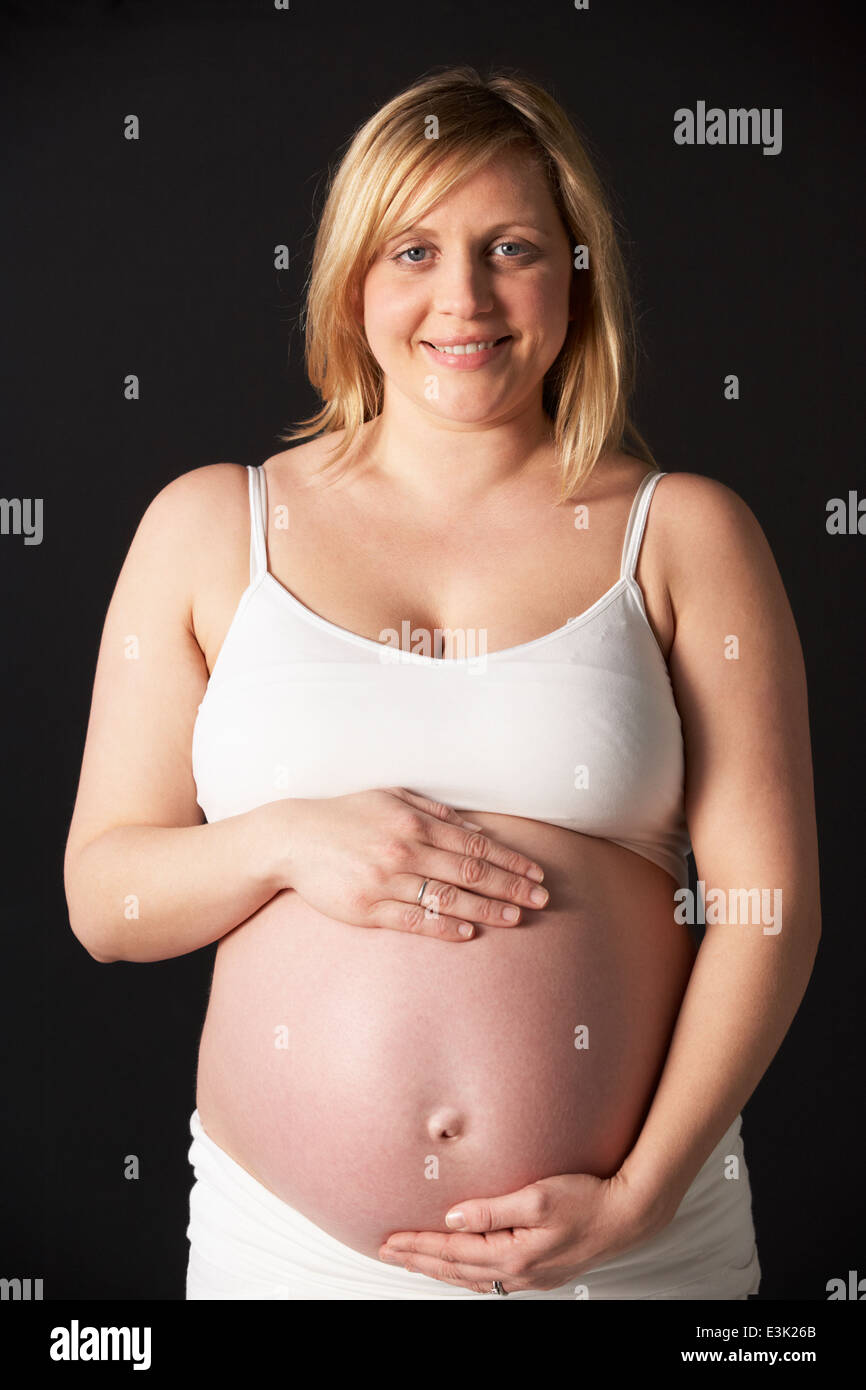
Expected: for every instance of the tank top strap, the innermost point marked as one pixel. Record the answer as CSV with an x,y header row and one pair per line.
x,y
636,523
258,522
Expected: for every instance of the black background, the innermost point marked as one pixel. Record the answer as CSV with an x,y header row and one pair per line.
x,y
156,257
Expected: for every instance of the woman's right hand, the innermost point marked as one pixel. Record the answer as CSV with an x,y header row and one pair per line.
x,y
361,859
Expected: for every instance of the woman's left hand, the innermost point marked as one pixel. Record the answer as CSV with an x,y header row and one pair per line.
x,y
539,1237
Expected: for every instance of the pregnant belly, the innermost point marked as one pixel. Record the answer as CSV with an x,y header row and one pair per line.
x,y
372,1078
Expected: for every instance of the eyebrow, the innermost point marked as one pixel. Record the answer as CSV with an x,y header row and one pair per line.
x,y
418,230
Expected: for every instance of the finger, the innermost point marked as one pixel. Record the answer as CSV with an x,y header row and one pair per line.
x,y
469,888
479,1280
439,810
446,829
527,1207
478,844
484,1252
412,917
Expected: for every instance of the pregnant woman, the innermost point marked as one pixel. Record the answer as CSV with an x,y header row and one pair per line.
x,y
453,644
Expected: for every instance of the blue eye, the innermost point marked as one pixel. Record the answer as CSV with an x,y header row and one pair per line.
x,y
400,254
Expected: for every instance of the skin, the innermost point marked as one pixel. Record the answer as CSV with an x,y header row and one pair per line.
x,y
587,954
485,431
453,499
469,459
566,1224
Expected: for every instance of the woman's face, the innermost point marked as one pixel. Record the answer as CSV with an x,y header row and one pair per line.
x,y
490,260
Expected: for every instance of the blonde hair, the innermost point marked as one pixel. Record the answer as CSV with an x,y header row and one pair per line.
x,y
387,167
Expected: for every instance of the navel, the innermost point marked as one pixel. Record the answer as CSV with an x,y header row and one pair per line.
x,y
446,1123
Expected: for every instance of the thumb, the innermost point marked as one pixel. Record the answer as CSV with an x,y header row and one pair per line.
x,y
522,1208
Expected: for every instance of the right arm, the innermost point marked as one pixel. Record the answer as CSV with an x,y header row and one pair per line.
x,y
146,879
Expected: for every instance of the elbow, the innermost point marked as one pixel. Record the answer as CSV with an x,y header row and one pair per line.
x,y
103,960
91,947
94,948
77,912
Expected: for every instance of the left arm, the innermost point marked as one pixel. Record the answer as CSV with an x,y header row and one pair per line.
x,y
737,670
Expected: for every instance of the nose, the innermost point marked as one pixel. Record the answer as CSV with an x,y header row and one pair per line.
x,y
462,287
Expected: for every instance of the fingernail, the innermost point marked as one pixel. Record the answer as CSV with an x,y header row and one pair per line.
x,y
539,896
535,873
456,1220
471,825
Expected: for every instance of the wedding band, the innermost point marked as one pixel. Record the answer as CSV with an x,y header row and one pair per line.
x,y
497,1288
421,890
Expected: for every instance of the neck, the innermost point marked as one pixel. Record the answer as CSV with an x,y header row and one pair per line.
x,y
442,464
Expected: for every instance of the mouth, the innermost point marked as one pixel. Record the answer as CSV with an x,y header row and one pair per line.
x,y
467,357
466,349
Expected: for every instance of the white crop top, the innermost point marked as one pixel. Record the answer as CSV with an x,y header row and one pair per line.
x,y
577,728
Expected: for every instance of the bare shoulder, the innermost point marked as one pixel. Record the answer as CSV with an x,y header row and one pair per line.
x,y
199,493
724,586
192,503
199,522
692,497
195,512
709,541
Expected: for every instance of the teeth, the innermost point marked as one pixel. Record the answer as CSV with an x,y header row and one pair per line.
x,y
462,348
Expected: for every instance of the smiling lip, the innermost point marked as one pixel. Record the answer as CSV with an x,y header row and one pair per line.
x,y
466,361
462,342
